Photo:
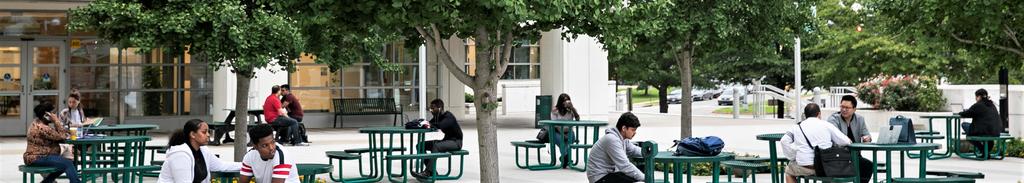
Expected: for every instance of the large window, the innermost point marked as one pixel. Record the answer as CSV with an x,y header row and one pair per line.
x,y
316,86
524,63
114,80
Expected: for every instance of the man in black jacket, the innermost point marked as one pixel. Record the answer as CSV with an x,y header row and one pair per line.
x,y
986,118
452,141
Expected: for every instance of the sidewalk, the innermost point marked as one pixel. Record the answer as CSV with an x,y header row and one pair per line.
x,y
738,135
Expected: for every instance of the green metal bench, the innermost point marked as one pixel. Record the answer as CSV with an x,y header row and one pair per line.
x,y
28,172
576,160
136,170
341,156
827,179
308,171
970,175
749,167
365,106
527,145
406,162
933,180
994,148
462,162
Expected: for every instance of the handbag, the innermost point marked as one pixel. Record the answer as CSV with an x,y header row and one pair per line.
x,y
907,135
542,136
832,162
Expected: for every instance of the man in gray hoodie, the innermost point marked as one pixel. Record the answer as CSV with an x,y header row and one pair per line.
x,y
609,160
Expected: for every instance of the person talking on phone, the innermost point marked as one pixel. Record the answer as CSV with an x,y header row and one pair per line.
x,y
43,148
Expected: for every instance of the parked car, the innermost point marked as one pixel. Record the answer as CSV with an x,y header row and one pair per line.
x,y
728,97
675,97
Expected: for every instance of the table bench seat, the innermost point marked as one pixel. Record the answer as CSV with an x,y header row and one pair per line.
x,y
367,150
341,155
972,175
934,180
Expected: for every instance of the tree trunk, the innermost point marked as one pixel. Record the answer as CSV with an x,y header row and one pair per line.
x,y
663,98
241,113
685,58
486,117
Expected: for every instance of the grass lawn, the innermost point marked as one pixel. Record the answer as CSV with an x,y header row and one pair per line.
x,y
744,110
651,97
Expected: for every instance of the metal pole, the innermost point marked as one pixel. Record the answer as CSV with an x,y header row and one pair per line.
x,y
736,103
629,99
423,81
799,85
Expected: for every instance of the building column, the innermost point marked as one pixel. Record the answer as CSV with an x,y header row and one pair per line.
x,y
579,68
451,90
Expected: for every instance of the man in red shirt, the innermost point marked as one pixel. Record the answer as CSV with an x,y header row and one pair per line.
x,y
278,118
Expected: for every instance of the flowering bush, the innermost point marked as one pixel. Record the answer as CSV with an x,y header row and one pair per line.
x,y
902,93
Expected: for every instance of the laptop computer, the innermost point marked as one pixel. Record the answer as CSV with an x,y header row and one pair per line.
x,y
889,134
97,121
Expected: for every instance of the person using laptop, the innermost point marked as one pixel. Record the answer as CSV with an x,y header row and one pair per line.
x,y
985,115
854,128
814,131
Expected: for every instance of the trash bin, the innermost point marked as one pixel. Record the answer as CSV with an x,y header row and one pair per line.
x,y
542,109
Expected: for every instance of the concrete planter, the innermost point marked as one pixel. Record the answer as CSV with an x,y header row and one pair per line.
x,y
875,119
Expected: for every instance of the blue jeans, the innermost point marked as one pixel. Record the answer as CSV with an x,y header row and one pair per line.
x,y
563,140
62,165
293,128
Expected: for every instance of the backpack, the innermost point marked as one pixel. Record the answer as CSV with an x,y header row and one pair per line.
x,y
696,146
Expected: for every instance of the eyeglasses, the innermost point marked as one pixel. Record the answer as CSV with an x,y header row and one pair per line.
x,y
845,107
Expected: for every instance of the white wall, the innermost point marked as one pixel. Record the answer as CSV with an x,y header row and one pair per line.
x,y
579,68
963,95
518,95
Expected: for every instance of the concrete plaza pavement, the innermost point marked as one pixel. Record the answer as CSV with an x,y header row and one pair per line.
x,y
738,135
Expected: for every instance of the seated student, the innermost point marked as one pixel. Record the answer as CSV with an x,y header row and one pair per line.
x,y
855,129
609,159
452,141
266,162
187,147
987,121
43,147
563,137
278,117
813,131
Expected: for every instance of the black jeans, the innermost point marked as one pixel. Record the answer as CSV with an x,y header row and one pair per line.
x,y
293,129
865,169
439,146
616,177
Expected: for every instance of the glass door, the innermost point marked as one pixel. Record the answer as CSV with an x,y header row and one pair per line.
x,y
11,55
30,74
45,74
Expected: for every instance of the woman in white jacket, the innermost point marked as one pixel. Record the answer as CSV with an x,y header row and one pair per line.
x,y
187,147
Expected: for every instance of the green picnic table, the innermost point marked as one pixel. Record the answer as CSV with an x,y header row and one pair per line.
x,y
952,135
382,142
590,133
679,161
773,157
923,148
127,160
308,171
122,129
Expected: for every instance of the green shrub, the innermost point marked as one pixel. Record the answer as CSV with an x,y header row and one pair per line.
x,y
1015,148
902,93
469,98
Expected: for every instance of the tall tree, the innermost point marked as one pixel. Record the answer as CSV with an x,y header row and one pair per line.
x,y
991,29
649,67
242,35
494,25
693,30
